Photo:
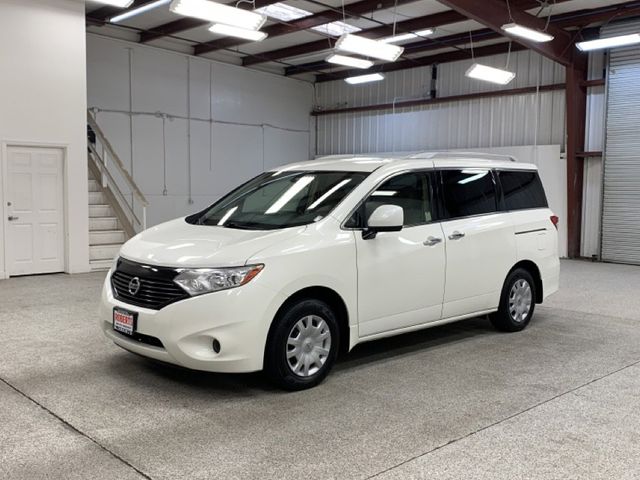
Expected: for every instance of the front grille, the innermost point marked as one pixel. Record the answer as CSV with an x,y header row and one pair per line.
x,y
157,289
142,338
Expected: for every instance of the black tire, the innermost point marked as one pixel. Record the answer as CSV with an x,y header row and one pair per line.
x,y
503,319
276,364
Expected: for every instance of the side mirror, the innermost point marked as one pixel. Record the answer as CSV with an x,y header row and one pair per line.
x,y
385,218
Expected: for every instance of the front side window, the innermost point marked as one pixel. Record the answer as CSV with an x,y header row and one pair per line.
x,y
521,190
411,191
469,191
280,199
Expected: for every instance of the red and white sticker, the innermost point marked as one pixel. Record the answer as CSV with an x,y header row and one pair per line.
x,y
123,322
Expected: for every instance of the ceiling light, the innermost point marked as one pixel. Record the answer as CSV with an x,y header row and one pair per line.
x,y
372,77
282,11
408,36
369,48
218,13
349,61
335,29
116,3
229,31
528,33
490,74
611,42
138,11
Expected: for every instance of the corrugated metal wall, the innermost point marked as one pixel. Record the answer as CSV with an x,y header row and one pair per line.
x,y
527,119
621,199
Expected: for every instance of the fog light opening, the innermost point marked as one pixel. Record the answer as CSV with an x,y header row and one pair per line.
x,y
216,345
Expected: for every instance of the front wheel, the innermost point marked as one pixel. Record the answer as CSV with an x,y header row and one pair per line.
x,y
302,346
517,302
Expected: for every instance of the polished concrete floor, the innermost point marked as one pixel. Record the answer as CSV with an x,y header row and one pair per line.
x,y
560,400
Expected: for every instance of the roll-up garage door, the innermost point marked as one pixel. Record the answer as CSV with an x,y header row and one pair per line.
x,y
621,201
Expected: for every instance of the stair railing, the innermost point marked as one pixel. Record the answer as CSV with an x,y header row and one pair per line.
x,y
102,158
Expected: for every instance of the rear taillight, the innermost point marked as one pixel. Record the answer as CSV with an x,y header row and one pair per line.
x,y
554,220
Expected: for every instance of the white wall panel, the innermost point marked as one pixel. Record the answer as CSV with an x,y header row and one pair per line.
x,y
240,121
533,118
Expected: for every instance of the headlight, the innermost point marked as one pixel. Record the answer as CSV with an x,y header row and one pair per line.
x,y
204,280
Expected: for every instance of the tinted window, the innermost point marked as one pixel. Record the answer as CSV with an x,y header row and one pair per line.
x,y
281,199
470,191
522,190
411,191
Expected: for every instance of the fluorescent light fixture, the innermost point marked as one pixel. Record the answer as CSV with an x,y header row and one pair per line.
x,y
282,11
490,74
528,33
218,13
368,48
116,3
474,176
384,193
403,37
349,61
372,77
229,31
611,42
226,216
138,11
335,29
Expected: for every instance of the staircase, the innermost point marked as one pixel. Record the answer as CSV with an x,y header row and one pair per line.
x,y
106,235
114,216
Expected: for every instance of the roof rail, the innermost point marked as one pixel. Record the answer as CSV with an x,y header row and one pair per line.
x,y
482,156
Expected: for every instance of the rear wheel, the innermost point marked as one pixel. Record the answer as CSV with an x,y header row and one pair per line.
x,y
517,302
302,345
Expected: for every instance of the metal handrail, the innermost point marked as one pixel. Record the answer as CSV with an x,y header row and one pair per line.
x,y
102,164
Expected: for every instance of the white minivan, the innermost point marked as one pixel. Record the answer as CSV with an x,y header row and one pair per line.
x,y
310,259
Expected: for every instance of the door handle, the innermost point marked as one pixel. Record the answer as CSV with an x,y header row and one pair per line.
x,y
431,241
456,235
11,218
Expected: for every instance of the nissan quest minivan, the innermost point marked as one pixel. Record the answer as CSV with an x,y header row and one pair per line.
x,y
311,259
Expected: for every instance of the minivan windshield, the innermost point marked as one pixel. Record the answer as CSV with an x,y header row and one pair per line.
x,y
280,199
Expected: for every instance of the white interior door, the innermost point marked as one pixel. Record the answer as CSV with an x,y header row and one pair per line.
x,y
35,212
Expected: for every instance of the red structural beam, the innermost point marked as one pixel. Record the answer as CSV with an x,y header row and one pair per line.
x,y
326,16
495,13
411,25
433,101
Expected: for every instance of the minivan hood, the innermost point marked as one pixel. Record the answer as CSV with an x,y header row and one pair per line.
x,y
180,244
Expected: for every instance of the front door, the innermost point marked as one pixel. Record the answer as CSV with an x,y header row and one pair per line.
x,y
35,212
400,274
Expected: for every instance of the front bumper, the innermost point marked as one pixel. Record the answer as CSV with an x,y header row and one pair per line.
x,y
238,318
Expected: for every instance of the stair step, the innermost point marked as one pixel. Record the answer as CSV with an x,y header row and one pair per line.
x,y
96,198
98,265
103,252
100,211
94,186
107,237
103,223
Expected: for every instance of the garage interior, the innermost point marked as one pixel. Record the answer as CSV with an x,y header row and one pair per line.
x,y
123,117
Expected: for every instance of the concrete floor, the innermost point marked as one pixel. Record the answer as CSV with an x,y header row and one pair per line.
x,y
559,400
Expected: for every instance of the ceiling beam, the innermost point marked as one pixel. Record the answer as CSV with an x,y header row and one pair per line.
x,y
495,13
356,9
103,14
419,23
579,18
423,61
188,23
411,25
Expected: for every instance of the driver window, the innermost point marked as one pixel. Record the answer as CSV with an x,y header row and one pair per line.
x,y
411,191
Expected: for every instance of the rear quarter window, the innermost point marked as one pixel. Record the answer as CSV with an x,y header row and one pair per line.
x,y
522,190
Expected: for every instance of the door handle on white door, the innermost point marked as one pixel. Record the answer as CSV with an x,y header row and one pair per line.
x,y
431,241
11,218
456,235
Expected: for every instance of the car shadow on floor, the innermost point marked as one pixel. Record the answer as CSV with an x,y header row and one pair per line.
x,y
242,385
